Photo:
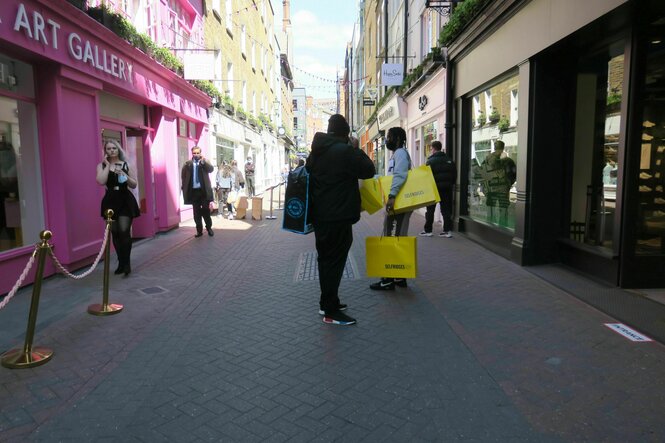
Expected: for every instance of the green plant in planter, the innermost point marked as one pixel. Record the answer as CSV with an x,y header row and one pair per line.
x,y
481,118
504,124
437,54
494,115
240,113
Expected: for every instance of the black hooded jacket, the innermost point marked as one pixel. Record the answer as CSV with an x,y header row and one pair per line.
x,y
335,167
443,170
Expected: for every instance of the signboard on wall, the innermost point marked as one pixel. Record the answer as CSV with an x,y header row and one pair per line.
x,y
199,65
392,74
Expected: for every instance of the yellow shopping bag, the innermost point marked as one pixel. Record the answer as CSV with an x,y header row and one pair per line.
x,y
395,257
371,199
418,191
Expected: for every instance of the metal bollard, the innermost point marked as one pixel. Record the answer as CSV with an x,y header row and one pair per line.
x,y
30,356
271,217
105,308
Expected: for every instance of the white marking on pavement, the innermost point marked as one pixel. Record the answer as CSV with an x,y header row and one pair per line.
x,y
627,332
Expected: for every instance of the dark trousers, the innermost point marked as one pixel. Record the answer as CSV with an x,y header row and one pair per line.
x,y
201,207
333,242
446,211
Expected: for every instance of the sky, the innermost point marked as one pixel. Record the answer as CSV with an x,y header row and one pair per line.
x,y
321,30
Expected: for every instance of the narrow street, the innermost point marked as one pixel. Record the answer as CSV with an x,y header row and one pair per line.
x,y
220,340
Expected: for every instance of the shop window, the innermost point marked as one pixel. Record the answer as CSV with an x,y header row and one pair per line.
x,y
224,150
596,162
429,134
491,193
192,129
21,214
182,127
651,183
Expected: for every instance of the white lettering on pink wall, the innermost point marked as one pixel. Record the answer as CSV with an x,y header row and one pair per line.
x,y
84,51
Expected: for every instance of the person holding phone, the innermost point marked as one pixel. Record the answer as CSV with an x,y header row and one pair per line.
x,y
197,191
114,173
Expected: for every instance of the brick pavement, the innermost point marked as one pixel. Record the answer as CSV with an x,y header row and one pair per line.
x,y
476,349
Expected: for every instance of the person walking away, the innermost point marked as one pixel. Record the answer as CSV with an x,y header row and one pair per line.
x,y
114,173
445,176
395,224
197,191
224,182
335,168
249,177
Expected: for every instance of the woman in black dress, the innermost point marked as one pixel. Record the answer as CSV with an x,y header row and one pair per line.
x,y
114,173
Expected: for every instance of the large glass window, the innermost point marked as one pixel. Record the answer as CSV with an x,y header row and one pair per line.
x,y
651,187
493,155
21,216
21,204
596,163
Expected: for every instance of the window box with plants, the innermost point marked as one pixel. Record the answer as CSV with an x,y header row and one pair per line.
x,y
494,116
241,114
227,105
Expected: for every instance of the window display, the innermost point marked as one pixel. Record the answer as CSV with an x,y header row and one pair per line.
x,y
21,215
492,169
651,183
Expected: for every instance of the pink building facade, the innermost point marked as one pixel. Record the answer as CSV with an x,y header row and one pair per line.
x,y
65,82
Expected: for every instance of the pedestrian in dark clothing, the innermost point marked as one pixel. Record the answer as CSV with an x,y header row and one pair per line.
x,y
445,175
197,191
335,167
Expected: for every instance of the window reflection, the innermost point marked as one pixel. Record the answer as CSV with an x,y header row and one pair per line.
x,y
651,213
493,168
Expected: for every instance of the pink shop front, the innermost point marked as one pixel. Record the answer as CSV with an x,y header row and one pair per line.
x,y
66,81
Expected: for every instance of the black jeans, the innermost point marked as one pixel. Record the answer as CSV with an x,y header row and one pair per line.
x,y
201,207
446,206
333,242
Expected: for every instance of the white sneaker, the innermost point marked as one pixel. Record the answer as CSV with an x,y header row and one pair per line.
x,y
446,234
425,234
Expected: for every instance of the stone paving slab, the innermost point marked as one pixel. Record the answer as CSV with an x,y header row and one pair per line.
x,y
475,349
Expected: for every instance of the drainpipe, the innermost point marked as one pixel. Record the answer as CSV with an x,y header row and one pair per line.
x,y
448,124
406,27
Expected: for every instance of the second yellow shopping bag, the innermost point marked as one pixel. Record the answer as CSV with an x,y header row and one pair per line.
x,y
395,257
370,196
418,191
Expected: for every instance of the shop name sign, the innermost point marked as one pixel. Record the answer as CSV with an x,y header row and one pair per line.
x,y
46,32
392,74
385,115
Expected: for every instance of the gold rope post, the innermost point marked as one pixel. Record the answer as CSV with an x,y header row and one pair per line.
x,y
30,356
105,308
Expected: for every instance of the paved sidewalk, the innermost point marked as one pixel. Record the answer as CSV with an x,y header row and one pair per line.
x,y
233,349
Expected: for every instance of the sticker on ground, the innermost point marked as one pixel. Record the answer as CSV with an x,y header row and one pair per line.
x,y
627,332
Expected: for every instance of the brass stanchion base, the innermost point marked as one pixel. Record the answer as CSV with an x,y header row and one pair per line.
x,y
100,309
18,359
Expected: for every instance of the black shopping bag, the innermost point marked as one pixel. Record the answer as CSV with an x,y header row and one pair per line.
x,y
296,202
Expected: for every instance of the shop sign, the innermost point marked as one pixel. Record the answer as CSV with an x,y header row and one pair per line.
x,y
422,102
392,74
46,31
386,115
368,102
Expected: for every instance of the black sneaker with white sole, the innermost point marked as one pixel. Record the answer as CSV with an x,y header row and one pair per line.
x,y
340,307
385,284
338,318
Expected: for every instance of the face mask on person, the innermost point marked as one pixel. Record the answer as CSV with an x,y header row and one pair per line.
x,y
391,144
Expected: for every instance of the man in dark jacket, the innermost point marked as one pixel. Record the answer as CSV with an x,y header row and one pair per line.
x,y
335,167
445,175
196,189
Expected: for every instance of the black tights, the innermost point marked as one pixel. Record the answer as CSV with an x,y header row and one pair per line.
x,y
122,238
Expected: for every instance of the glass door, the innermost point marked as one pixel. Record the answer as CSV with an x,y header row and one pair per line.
x,y
596,163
